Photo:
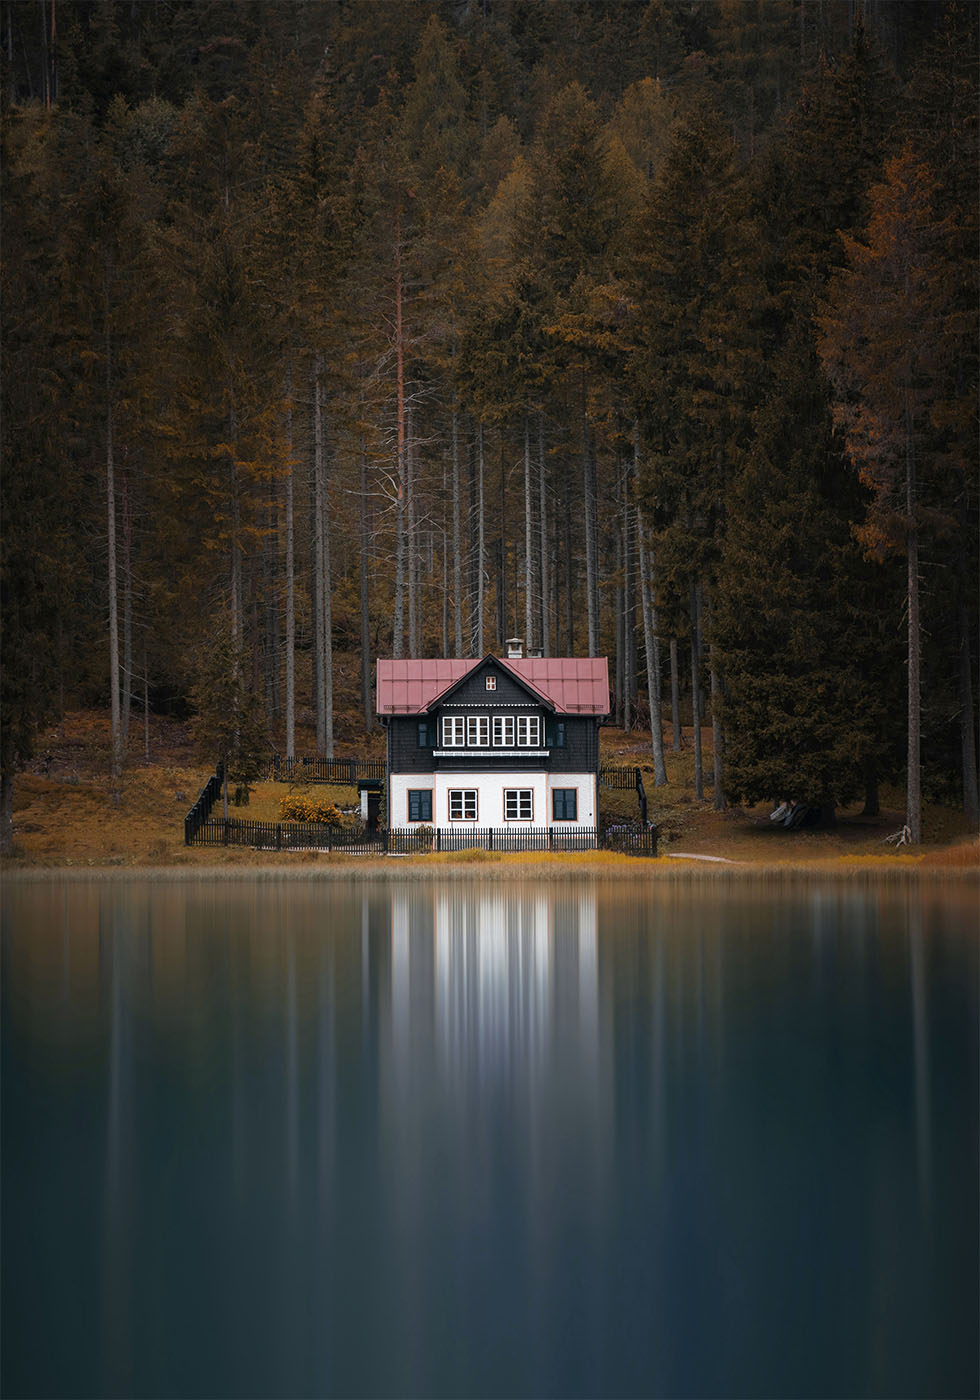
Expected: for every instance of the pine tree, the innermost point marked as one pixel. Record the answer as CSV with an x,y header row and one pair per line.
x,y
886,338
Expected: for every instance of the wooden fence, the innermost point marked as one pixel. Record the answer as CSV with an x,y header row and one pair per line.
x,y
317,836
343,771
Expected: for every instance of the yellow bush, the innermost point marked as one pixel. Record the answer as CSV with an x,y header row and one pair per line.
x,y
294,808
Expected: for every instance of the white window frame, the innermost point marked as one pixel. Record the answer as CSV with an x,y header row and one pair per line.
x,y
503,731
491,682
518,804
465,800
528,731
477,731
454,731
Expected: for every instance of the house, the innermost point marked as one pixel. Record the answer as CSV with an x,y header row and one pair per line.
x,y
498,742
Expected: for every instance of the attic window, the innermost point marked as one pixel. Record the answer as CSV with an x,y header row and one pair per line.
x,y
491,682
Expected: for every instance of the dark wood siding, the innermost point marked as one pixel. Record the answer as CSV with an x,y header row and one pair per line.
x,y
580,753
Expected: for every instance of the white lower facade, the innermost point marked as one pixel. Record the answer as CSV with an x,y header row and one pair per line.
x,y
498,799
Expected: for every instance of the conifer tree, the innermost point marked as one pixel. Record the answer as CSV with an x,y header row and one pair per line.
x,y
886,338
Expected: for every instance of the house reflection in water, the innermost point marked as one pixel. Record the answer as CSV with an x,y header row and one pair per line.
x,y
495,1063
484,979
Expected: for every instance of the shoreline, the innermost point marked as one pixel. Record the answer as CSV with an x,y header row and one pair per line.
x,y
658,871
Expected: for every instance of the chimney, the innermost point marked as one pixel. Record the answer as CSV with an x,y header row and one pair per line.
x,y
515,648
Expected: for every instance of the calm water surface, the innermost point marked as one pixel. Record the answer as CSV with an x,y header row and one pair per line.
x,y
288,1139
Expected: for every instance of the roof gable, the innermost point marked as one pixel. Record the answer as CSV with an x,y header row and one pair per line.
x,y
569,685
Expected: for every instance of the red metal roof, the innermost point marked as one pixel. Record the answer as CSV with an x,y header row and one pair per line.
x,y
575,685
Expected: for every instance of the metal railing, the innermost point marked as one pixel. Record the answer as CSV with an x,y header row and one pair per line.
x,y
625,779
318,836
201,810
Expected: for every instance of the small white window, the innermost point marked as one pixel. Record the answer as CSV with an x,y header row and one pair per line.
x,y
491,682
453,731
462,804
503,731
518,804
477,731
528,731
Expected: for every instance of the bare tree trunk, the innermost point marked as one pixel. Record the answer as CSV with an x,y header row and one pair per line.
x,y
411,538
480,543
717,737
914,801
675,697
971,794
457,540
365,614
321,541
696,688
629,604
591,541
236,554
110,480
398,620
502,556
543,548
528,545
569,590
290,580
146,705
651,644
126,698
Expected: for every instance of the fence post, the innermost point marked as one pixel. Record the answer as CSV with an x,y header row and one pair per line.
x,y
490,838
226,825
278,836
329,836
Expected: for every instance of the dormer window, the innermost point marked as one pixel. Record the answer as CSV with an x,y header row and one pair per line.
x,y
491,682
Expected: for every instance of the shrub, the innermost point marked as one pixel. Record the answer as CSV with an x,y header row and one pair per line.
x,y
295,808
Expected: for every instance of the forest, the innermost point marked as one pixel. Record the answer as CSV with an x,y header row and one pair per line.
x,y
338,329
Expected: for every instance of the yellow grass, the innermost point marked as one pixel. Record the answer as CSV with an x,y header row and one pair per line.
x,y
68,818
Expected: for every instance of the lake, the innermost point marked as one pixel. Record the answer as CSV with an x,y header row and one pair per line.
x,y
475,1137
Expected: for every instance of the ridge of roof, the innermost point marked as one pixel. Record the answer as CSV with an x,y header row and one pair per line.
x,y
567,685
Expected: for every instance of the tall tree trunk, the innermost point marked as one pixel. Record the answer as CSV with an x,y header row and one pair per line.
x,y
543,547
675,697
502,556
569,594
323,619
696,688
290,579
411,537
629,604
971,794
110,481
126,697
365,614
146,704
235,562
717,737
457,539
914,815
528,542
398,620
651,643
591,530
480,542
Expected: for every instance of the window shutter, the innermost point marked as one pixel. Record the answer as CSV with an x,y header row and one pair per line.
x,y
425,735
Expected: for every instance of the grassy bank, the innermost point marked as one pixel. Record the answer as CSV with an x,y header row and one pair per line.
x,y
66,817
